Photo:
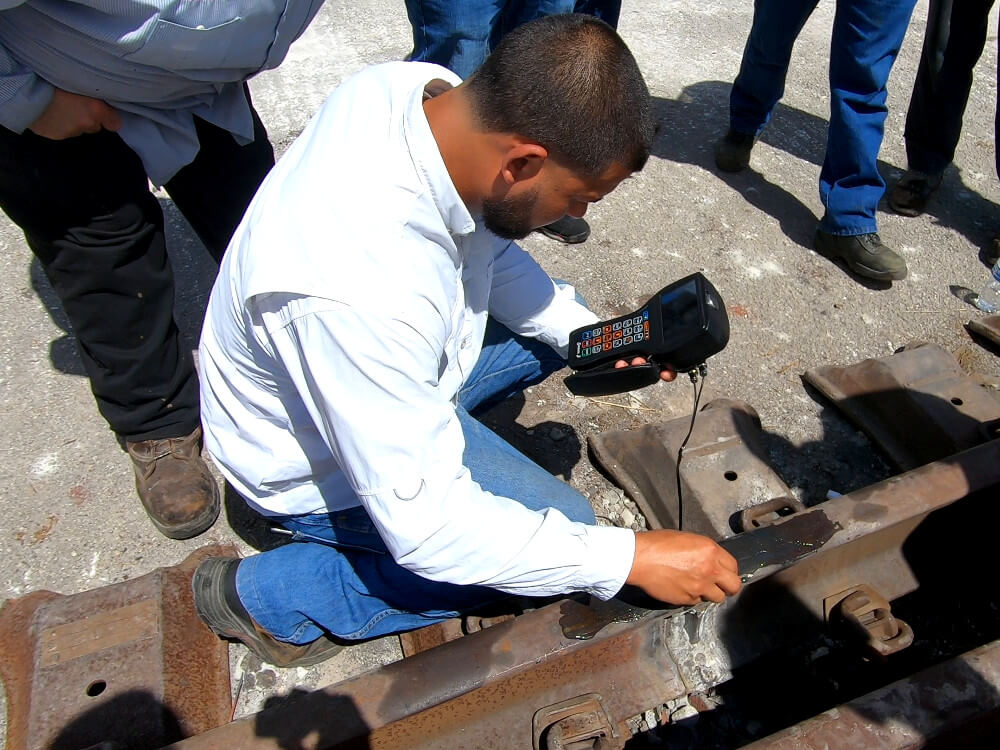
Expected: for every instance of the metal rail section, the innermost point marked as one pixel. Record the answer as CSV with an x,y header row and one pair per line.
x,y
524,683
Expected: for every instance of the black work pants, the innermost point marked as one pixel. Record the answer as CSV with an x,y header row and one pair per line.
x,y
88,216
953,43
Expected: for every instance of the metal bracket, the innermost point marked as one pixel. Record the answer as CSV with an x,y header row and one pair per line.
x,y
868,613
768,512
724,468
581,723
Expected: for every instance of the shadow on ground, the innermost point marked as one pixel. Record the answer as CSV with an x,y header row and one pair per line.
x,y
690,125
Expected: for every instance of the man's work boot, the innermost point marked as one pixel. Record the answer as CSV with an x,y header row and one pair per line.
x,y
568,229
174,484
864,254
219,606
911,192
732,152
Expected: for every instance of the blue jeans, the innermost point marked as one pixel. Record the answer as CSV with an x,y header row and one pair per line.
x,y
866,38
337,576
460,34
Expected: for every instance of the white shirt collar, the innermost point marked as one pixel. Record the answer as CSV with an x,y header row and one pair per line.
x,y
428,161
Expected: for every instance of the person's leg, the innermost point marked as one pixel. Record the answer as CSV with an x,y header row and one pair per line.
x,y
340,579
866,38
364,592
760,83
453,33
506,366
88,216
214,190
953,43
867,35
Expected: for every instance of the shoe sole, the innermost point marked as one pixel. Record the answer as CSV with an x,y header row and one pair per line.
x,y
197,526
871,273
860,268
911,212
572,239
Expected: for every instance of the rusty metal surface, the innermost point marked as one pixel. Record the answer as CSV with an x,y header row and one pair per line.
x,y
413,642
988,328
772,545
482,691
868,614
953,704
477,692
723,471
128,663
577,720
917,405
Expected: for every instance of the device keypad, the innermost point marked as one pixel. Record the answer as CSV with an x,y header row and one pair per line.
x,y
615,334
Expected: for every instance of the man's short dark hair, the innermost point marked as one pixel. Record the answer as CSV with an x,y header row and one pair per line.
x,y
569,83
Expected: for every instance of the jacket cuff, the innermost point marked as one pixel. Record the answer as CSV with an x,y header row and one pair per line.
x,y
610,553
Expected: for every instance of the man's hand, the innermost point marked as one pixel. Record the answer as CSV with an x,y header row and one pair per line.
x,y
69,115
665,372
678,567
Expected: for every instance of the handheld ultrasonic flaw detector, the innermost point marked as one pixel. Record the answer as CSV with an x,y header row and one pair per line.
x,y
680,327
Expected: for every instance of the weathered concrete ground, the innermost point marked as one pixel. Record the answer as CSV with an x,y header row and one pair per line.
x,y
71,519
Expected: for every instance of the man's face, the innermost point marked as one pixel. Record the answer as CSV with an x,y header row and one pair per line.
x,y
510,217
555,192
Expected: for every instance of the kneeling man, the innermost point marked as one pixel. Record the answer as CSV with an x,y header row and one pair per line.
x,y
372,303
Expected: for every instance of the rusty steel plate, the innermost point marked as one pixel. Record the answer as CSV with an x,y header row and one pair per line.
x,y
128,664
724,469
917,405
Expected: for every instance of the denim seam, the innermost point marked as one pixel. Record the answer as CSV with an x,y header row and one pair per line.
x,y
495,373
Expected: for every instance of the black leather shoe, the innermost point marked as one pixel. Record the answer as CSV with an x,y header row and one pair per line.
x,y
568,229
732,152
911,192
219,607
864,254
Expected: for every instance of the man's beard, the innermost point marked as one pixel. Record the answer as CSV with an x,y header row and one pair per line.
x,y
510,218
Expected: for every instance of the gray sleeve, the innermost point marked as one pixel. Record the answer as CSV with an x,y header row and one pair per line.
x,y
23,95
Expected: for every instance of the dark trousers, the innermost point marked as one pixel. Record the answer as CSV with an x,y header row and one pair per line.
x,y
88,216
953,42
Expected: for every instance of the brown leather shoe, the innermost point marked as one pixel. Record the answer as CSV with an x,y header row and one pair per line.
x,y
174,484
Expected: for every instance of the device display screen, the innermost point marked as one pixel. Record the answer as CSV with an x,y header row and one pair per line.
x,y
680,308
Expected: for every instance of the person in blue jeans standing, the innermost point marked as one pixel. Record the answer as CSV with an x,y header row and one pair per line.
x,y
459,34
867,35
359,326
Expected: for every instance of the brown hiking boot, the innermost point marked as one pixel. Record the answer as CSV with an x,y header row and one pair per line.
x,y
174,484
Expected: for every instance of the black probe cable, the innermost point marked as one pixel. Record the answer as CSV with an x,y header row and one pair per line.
x,y
702,370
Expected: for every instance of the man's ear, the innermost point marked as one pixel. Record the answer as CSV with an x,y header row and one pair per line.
x,y
522,161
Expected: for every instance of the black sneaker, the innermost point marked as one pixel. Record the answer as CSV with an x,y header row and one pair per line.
x,y
732,152
568,229
219,606
864,254
911,192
